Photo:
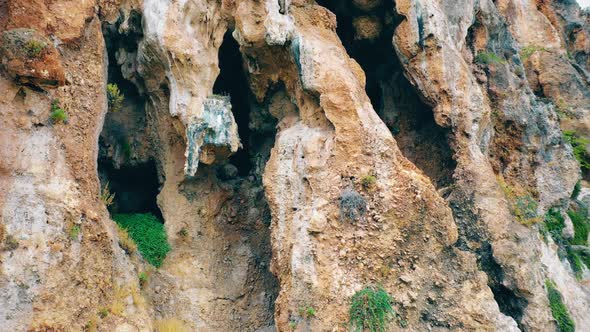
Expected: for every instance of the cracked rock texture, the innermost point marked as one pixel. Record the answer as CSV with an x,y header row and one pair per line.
x,y
252,121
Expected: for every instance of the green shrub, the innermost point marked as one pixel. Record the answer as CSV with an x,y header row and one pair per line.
x,y
487,58
578,144
577,189
580,220
35,48
352,205
575,261
370,310
57,113
554,224
558,309
115,97
148,233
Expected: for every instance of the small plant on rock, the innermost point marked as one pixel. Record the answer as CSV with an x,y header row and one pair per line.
x,y
10,243
352,205
487,58
523,207
182,232
115,97
103,312
527,51
75,231
58,114
106,196
558,309
35,48
371,310
143,279
368,181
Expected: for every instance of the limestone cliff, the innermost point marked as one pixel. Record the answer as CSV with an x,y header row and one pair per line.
x,y
277,165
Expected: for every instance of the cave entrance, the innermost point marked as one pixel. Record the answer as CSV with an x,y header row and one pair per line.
x,y
367,35
125,160
135,187
232,81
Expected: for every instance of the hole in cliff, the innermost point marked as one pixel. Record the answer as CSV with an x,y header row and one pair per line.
x,y
232,80
367,34
135,187
509,302
125,159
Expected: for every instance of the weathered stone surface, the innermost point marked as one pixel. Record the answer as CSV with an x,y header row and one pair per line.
x,y
30,58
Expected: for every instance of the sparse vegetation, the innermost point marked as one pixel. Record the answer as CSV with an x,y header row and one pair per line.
x,y
103,312
487,58
554,225
58,114
307,312
106,196
371,310
527,51
90,326
35,48
579,218
368,181
74,231
577,189
578,144
148,233
292,324
560,313
170,325
352,205
182,232
522,207
125,242
563,109
115,97
143,278
10,243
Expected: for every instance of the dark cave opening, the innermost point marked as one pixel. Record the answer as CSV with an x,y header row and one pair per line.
x,y
509,302
135,187
394,98
232,81
125,162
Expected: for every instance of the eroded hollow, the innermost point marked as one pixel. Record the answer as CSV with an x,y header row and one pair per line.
x,y
366,31
367,34
126,161
232,81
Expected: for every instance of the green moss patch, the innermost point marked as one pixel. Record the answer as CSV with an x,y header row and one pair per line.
x,y
148,233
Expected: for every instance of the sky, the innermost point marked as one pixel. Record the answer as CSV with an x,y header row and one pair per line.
x,y
584,3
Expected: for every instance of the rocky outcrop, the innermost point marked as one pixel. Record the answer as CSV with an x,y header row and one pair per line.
x,y
297,153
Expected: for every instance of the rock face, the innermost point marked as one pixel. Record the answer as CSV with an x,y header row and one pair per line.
x,y
297,153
